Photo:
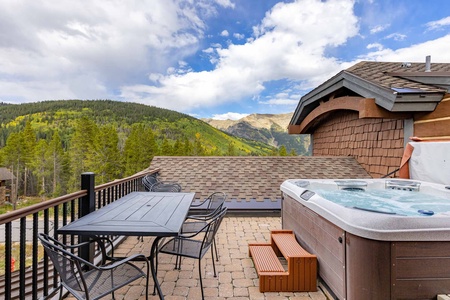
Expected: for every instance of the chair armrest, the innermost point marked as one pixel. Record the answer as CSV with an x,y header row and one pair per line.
x,y
205,217
191,235
199,204
115,264
100,241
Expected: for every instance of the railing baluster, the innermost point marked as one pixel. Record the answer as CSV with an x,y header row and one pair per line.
x,y
72,218
64,221
22,260
104,197
8,256
55,235
46,231
35,255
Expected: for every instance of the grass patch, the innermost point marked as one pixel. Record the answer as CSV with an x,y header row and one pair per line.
x,y
20,204
15,249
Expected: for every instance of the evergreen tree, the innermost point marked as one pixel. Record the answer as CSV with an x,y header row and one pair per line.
x,y
107,156
166,149
140,147
282,151
178,149
42,167
28,146
198,149
82,150
59,165
274,152
187,147
231,149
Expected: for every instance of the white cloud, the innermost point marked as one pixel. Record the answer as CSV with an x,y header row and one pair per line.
x,y
396,36
438,49
289,43
224,33
285,98
141,51
208,50
239,36
229,116
438,24
277,101
225,3
379,28
377,46
69,49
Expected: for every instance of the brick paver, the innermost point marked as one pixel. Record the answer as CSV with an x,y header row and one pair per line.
x,y
237,278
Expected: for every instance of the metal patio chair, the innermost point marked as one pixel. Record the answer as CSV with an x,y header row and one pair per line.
x,y
191,246
149,180
164,186
151,183
197,219
98,281
207,207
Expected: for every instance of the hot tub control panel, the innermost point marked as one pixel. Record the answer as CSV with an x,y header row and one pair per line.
x,y
306,195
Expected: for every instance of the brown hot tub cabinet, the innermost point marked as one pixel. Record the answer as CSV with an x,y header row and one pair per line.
x,y
356,268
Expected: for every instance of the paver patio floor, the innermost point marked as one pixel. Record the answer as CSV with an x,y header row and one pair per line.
x,y
237,278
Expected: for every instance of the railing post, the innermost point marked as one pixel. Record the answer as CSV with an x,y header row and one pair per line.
x,y
87,205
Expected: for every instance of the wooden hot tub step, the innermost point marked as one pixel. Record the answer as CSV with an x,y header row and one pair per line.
x,y
301,273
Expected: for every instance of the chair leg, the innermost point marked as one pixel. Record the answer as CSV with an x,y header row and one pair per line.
x,y
178,263
178,259
214,265
200,277
147,281
156,270
215,248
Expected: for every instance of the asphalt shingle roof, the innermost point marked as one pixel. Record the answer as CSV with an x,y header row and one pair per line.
x,y
251,178
5,174
380,73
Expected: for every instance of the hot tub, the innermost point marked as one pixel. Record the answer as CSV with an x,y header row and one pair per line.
x,y
393,245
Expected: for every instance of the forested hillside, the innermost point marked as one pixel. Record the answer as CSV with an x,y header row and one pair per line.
x,y
47,145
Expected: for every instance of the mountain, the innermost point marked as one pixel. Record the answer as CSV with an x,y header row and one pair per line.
x,y
49,144
266,128
47,117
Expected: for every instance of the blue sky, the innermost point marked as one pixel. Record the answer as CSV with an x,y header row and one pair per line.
x,y
208,58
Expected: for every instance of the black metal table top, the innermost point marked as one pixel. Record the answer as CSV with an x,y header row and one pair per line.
x,y
138,213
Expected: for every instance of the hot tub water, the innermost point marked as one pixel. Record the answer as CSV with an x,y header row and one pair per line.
x,y
400,202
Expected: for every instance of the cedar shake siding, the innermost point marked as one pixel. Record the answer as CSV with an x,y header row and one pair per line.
x,y
377,144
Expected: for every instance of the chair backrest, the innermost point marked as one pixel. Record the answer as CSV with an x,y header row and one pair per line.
x,y
166,187
68,265
211,230
215,202
149,180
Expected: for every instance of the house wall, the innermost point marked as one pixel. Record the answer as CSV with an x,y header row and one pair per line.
x,y
434,125
2,194
377,144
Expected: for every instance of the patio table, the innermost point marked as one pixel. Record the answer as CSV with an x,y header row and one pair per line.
x,y
137,214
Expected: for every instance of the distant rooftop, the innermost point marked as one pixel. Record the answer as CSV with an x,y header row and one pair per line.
x,y
5,174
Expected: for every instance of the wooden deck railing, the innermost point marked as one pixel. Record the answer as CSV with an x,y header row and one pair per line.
x,y
26,272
